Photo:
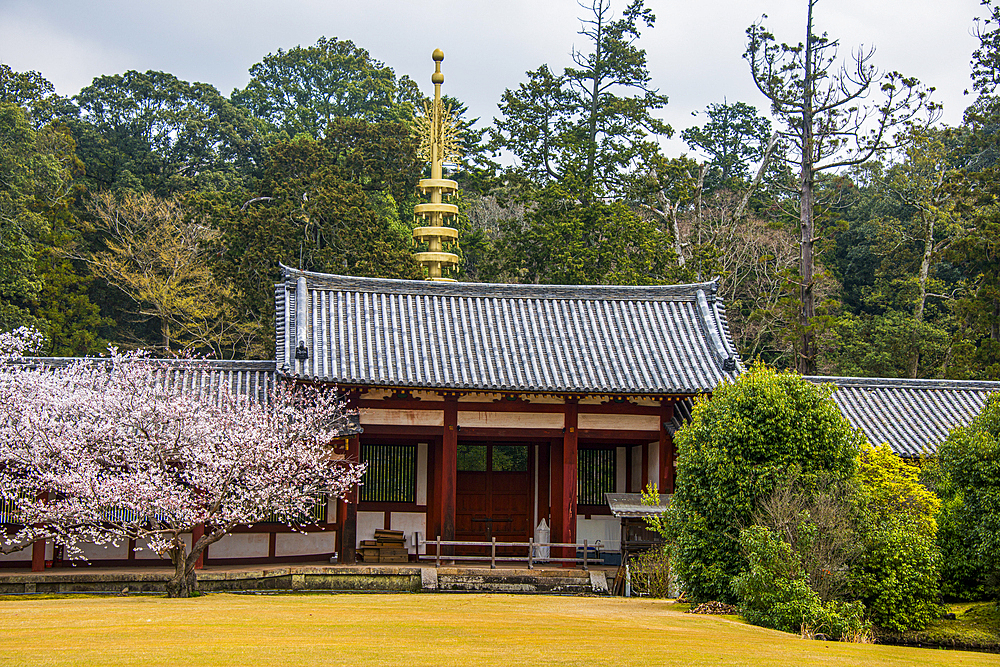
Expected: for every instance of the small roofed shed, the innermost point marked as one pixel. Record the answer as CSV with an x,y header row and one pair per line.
x,y
636,536
911,416
511,403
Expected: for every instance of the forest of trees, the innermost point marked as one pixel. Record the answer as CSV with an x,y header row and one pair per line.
x,y
852,233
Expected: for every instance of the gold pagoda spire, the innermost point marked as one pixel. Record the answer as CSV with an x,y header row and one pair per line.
x,y
437,144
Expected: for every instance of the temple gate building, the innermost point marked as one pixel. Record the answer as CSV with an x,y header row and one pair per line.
x,y
488,408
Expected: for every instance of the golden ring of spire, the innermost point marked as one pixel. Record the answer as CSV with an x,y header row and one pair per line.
x,y
439,144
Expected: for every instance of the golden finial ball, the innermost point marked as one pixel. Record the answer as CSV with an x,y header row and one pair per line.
x,y
437,77
438,55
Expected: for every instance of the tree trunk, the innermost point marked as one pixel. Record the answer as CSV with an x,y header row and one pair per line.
x,y
995,326
668,211
595,97
675,229
805,363
185,580
698,208
925,265
165,331
742,207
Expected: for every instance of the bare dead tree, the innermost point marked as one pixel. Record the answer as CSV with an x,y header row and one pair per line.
x,y
836,115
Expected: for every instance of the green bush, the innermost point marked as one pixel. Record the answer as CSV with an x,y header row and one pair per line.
x,y
838,619
651,574
737,447
897,575
968,468
774,592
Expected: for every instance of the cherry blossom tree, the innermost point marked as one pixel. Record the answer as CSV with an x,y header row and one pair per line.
x,y
23,340
102,451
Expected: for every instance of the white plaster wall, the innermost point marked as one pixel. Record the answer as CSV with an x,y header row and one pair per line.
x,y
621,458
368,523
22,555
607,529
619,422
301,544
422,472
636,470
149,554
410,523
106,551
376,416
241,545
25,554
511,419
653,462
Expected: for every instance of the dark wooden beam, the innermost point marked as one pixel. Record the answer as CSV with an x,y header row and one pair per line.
x,y
424,433
612,435
613,408
510,433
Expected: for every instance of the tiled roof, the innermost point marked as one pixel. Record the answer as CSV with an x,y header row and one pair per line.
x,y
630,505
912,416
670,339
203,379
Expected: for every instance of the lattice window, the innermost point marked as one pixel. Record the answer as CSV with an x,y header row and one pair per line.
x,y
8,511
595,475
315,514
391,476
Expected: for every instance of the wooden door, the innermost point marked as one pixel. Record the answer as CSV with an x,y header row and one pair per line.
x,y
493,494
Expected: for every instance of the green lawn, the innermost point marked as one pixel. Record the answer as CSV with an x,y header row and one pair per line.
x,y
407,630
976,624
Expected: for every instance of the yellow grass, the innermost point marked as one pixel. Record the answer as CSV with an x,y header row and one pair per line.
x,y
407,630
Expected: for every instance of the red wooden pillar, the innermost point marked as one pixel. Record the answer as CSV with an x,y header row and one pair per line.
x,y
347,509
446,466
38,547
38,556
566,470
197,534
666,481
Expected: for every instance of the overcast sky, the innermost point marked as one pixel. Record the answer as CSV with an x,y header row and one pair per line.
x,y
694,49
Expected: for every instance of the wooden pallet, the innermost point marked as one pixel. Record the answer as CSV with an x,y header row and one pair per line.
x,y
389,546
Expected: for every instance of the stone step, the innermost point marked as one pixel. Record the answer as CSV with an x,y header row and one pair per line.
x,y
401,578
485,580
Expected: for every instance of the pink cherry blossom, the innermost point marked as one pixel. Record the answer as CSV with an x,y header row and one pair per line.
x,y
104,451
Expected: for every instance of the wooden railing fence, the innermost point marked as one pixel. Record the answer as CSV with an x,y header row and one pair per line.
x,y
531,558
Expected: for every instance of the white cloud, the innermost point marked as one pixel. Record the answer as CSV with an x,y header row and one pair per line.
x,y
694,50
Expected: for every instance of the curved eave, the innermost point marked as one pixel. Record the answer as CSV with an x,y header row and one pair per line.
x,y
684,392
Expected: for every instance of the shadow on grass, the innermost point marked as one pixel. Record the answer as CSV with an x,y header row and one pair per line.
x,y
976,627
